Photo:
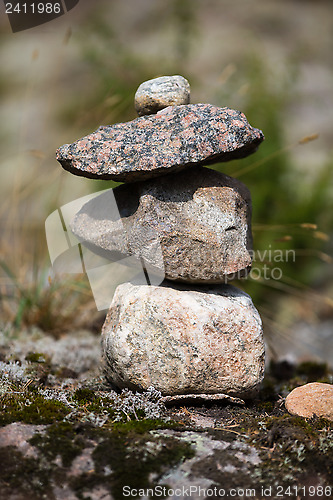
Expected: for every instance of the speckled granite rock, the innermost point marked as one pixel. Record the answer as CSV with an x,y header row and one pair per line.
x,y
158,93
311,399
174,138
181,340
200,222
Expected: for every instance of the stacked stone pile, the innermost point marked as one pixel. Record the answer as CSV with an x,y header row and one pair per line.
x,y
193,333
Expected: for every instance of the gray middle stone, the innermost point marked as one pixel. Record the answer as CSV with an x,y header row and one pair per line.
x,y
201,219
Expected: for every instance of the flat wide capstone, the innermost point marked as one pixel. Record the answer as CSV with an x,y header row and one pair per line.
x,y
175,138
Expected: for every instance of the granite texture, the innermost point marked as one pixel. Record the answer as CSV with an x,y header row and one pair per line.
x,y
183,340
174,138
191,227
158,93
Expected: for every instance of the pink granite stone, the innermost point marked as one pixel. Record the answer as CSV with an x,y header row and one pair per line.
x,y
174,138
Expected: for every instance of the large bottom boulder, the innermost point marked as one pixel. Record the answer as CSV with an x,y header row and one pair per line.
x,y
183,340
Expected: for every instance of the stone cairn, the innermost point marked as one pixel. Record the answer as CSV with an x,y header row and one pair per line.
x,y
193,333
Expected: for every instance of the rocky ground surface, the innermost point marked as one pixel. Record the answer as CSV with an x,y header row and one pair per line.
x,y
65,435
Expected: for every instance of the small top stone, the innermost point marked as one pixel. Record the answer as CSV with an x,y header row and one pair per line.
x,y
159,93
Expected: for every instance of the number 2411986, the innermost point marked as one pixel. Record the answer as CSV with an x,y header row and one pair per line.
x,y
33,8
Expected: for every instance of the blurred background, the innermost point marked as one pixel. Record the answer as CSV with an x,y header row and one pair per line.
x,y
271,59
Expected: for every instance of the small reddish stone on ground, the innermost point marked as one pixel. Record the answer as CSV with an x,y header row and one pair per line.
x,y
311,399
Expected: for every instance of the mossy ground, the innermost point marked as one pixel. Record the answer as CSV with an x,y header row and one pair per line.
x,y
294,451
122,454
30,408
117,433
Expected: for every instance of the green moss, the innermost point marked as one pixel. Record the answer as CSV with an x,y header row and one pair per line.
x,y
30,408
60,439
289,447
320,423
266,406
312,370
36,357
22,475
127,455
268,389
84,395
140,426
93,403
124,454
287,429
